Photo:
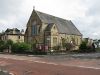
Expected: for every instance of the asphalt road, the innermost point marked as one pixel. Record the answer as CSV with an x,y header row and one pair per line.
x,y
23,65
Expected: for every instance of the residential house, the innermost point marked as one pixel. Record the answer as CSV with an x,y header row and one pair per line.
x,y
13,34
48,30
88,40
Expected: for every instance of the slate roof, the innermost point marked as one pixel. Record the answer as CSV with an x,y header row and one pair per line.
x,y
64,26
10,31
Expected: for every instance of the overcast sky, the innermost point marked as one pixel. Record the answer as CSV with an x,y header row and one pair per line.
x,y
85,14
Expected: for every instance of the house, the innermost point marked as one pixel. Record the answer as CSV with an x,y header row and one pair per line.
x,y
13,34
48,30
88,40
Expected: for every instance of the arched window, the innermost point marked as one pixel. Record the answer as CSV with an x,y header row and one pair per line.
x,y
34,28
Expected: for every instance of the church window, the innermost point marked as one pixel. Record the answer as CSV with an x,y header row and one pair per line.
x,y
34,28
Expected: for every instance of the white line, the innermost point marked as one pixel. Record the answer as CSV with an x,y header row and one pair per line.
x,y
50,63
89,67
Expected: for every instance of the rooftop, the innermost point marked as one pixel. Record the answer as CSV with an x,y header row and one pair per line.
x,y
64,26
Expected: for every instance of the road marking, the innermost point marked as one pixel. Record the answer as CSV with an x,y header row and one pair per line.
x,y
89,67
50,63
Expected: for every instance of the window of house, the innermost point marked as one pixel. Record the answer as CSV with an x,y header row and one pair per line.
x,y
33,30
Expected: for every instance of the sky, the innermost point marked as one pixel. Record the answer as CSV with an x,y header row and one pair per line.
x,y
83,13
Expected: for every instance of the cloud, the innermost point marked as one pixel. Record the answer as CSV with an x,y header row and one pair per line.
x,y
84,13
10,13
89,24
16,12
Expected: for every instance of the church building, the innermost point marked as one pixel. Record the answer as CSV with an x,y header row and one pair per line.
x,y
47,30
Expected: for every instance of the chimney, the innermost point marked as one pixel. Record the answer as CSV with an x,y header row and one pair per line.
x,y
22,31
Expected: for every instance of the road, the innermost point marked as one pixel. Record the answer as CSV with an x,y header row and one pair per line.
x,y
30,65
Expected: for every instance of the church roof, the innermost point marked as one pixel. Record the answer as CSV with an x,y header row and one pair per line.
x,y
64,26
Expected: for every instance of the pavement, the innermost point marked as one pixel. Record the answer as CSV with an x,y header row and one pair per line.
x,y
50,64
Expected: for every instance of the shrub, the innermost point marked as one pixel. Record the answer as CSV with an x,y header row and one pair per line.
x,y
2,45
57,48
20,47
86,48
34,46
83,46
9,44
68,46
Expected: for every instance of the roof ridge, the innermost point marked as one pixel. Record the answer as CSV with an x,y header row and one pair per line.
x,y
52,15
63,25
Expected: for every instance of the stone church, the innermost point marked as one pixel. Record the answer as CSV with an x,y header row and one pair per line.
x,y
48,30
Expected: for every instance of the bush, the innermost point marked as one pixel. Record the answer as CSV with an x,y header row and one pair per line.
x,y
57,48
86,48
83,46
68,46
21,47
9,42
2,45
